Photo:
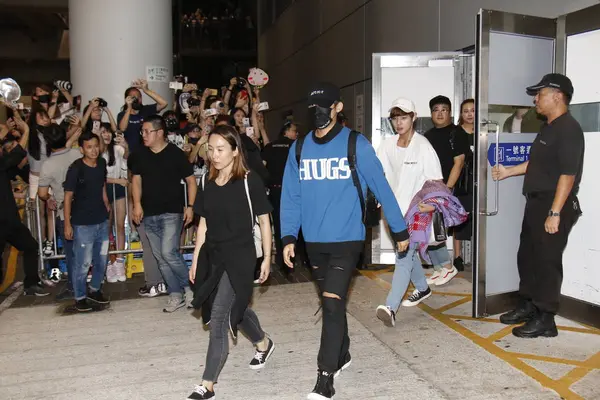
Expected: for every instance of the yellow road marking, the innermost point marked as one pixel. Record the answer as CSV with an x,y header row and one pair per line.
x,y
502,333
562,386
536,357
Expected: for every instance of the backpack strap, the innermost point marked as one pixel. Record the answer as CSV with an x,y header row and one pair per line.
x,y
252,217
352,139
299,143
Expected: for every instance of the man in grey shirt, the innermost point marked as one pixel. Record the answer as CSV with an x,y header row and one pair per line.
x,y
52,176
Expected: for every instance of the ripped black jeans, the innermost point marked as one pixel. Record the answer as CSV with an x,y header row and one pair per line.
x,y
333,273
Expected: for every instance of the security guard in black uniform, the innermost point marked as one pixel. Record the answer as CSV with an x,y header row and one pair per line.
x,y
275,156
552,177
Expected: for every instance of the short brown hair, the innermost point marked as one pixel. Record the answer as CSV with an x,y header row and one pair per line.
x,y
397,112
232,137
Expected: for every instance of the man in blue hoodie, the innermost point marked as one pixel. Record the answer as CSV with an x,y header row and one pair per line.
x,y
320,196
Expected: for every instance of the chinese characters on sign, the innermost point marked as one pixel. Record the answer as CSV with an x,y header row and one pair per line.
x,y
509,154
157,74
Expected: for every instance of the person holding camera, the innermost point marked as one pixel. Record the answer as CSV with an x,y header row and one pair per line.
x,y
92,116
134,111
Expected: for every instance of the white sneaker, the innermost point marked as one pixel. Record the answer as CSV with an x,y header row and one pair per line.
x,y
119,271
446,276
48,248
386,315
161,288
111,276
55,275
434,277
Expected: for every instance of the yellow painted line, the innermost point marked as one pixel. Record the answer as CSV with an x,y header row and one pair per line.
x,y
511,358
454,294
591,331
469,318
536,357
453,305
579,373
501,334
579,330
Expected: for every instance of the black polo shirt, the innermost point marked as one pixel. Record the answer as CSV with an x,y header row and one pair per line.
x,y
557,150
275,154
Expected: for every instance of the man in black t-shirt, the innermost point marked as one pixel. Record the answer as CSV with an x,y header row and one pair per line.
x,y
552,177
86,221
12,230
275,156
451,145
158,199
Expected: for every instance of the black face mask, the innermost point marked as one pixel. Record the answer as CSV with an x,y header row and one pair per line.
x,y
193,140
321,116
45,98
171,124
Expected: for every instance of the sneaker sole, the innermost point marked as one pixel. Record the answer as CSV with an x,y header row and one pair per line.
x,y
518,334
315,396
416,303
385,318
345,366
261,366
99,302
175,309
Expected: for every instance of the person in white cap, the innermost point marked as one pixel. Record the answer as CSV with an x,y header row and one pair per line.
x,y
408,161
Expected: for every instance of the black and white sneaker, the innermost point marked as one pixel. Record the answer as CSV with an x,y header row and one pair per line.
x,y
36,290
200,393
347,362
324,388
261,357
417,297
153,291
48,249
82,306
386,315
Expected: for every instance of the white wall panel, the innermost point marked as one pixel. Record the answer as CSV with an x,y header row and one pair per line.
x,y
584,75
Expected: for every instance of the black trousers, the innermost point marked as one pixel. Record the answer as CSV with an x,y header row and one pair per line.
x,y
15,233
540,254
333,273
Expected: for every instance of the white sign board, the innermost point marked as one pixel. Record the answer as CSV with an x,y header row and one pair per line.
x,y
157,74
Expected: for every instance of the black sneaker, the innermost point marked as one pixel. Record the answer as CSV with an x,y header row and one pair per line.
x,y
65,294
386,315
201,393
459,264
417,297
347,362
98,297
324,388
82,305
36,290
261,357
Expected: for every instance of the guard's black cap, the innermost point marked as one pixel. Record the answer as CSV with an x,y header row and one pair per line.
x,y
323,95
556,81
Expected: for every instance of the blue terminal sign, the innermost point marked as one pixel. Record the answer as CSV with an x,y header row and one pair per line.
x,y
509,154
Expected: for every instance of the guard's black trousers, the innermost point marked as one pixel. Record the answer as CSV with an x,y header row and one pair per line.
x,y
13,232
540,253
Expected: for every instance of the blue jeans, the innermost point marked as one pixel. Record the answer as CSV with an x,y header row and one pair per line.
x,y
67,249
408,269
439,256
90,245
164,232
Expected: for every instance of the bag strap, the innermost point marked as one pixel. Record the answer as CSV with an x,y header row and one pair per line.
x,y
249,200
352,139
203,176
299,143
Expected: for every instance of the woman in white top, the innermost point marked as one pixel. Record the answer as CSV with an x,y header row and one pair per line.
x,y
115,151
408,161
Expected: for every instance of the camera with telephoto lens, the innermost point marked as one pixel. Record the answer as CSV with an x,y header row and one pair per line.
x,y
102,103
193,102
64,85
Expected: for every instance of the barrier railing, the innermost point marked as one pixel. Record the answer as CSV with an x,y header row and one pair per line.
x,y
33,220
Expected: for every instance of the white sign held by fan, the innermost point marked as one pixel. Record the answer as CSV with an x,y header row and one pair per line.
x,y
257,77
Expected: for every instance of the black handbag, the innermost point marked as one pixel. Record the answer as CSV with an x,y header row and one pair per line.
x,y
438,227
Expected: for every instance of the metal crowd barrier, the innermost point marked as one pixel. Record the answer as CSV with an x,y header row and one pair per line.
x,y
33,221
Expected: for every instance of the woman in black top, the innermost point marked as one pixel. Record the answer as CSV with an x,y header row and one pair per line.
x,y
462,232
225,253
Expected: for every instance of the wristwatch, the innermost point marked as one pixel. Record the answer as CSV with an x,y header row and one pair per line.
x,y
553,214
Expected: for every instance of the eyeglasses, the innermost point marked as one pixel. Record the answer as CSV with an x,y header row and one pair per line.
x,y
145,132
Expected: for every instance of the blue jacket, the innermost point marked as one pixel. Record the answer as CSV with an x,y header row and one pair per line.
x,y
321,198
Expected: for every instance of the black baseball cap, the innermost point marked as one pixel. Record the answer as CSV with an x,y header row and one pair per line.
x,y
323,95
439,100
555,81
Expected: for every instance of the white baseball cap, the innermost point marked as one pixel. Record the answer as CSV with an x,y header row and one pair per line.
x,y
404,104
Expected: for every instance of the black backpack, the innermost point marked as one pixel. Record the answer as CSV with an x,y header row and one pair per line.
x,y
368,206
